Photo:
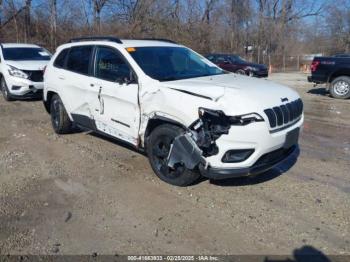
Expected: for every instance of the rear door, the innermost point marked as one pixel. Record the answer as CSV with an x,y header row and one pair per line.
x,y
117,112
76,80
225,63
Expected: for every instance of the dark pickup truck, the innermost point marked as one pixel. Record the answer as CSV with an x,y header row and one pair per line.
x,y
333,71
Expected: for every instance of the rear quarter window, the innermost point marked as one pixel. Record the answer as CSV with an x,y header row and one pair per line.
x,y
61,58
79,59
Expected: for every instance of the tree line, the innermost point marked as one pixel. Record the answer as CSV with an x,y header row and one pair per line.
x,y
265,31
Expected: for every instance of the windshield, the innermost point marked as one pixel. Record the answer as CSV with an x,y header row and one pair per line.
x,y
25,54
173,63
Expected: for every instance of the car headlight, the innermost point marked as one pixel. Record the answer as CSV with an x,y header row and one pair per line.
x,y
246,119
219,117
13,71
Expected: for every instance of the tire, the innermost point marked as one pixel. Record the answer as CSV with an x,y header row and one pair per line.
x,y
241,72
5,91
340,87
59,117
158,146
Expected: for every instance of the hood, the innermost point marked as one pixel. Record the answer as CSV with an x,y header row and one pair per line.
x,y
28,65
233,91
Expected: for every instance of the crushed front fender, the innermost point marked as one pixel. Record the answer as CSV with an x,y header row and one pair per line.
x,y
185,151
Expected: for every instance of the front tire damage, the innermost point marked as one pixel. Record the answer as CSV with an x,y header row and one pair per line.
x,y
176,154
160,146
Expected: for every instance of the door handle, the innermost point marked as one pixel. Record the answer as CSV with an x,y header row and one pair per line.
x,y
61,77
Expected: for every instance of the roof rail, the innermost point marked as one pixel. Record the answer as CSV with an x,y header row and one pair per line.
x,y
96,38
158,39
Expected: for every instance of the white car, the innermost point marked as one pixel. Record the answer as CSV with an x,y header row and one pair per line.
x,y
191,117
21,70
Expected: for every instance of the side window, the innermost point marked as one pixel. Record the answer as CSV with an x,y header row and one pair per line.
x,y
221,59
79,59
110,66
61,58
211,58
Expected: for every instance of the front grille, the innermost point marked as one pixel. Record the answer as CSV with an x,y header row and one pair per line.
x,y
284,114
35,76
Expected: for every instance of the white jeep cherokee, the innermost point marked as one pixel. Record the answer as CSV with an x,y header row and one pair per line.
x,y
21,70
191,117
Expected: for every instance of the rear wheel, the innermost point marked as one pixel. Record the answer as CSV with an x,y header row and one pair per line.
x,y
158,148
5,91
59,117
340,87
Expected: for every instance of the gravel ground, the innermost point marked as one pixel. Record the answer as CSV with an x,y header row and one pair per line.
x,y
81,193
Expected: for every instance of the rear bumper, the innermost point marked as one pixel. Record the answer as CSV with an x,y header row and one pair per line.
x,y
261,74
263,164
316,79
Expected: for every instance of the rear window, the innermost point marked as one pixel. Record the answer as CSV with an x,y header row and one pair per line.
x,y
61,58
26,54
79,59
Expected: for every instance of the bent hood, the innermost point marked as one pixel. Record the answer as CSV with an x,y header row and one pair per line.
x,y
28,65
232,90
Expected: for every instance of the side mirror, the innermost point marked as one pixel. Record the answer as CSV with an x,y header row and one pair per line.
x,y
127,80
131,79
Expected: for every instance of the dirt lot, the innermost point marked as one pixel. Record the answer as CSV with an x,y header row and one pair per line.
x,y
80,193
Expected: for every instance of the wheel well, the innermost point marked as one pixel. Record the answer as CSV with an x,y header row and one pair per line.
x,y
343,72
157,121
47,102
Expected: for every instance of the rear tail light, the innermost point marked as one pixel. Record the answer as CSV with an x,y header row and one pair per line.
x,y
314,65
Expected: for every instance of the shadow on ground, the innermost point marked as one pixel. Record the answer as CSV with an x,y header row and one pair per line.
x,y
318,91
305,254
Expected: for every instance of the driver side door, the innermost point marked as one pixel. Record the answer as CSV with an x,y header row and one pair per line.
x,y
117,113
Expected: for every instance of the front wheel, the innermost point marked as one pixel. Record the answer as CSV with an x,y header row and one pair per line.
x,y
5,91
340,87
158,148
240,72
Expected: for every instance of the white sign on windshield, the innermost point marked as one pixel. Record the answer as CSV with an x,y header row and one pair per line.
x,y
43,53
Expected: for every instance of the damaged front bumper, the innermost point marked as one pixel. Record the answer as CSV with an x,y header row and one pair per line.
x,y
203,147
263,164
186,152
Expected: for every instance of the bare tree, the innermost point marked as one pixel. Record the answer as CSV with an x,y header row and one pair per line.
x,y
27,20
98,5
53,24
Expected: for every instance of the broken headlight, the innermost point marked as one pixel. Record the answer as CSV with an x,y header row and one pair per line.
x,y
220,116
214,123
246,119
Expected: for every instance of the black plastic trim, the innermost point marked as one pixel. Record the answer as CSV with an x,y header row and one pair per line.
x,y
190,93
29,95
96,38
84,121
